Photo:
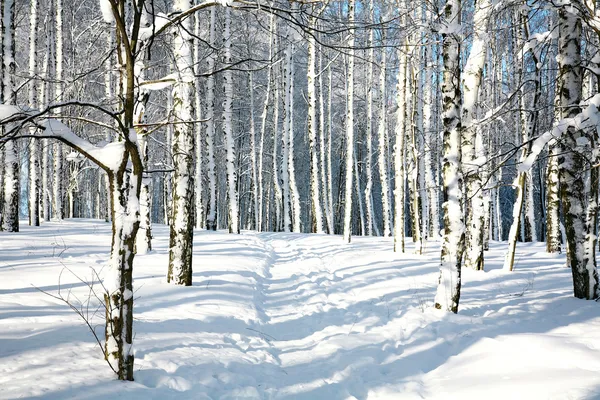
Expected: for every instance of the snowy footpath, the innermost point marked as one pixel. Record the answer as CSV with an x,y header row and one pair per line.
x,y
293,316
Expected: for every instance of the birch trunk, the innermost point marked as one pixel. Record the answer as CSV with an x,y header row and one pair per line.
x,y
57,188
285,141
232,180
182,223
10,182
294,193
34,163
323,170
370,223
579,177
211,214
381,135
400,131
330,219
315,196
472,77
448,291
553,234
349,127
528,122
199,218
277,189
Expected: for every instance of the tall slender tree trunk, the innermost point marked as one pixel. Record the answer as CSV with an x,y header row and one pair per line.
x,y
323,169
369,131
315,195
472,77
349,127
382,150
577,164
34,163
330,218
211,214
279,204
400,131
448,291
182,223
232,179
199,165
10,181
524,184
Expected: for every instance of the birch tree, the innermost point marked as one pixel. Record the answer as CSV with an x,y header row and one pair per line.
x,y
471,138
182,224
349,127
34,148
382,150
315,196
232,194
579,178
448,291
10,189
211,214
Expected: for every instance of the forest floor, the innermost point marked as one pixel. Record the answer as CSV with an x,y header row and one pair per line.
x,y
294,316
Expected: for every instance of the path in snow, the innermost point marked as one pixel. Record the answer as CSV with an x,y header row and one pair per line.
x,y
295,316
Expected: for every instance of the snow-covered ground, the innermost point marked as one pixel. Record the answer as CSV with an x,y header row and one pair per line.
x,y
294,316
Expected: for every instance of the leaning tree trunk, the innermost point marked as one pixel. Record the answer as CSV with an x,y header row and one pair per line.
x,y
448,291
523,182
182,223
578,164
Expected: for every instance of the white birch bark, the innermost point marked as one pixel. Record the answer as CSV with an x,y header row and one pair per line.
x,y
323,170
315,195
182,223
263,128
330,219
553,234
253,149
448,291
277,189
524,183
199,218
10,181
429,138
382,150
285,140
232,193
400,132
579,177
211,214
370,223
472,77
349,127
294,192
34,163
57,187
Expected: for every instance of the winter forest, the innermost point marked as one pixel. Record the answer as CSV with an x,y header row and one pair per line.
x,y
264,199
